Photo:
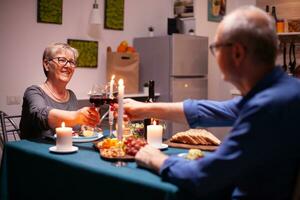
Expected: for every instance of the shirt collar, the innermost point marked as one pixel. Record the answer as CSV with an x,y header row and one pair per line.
x,y
264,83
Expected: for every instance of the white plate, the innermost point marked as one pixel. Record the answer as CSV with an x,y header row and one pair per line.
x,y
183,155
86,139
163,146
54,149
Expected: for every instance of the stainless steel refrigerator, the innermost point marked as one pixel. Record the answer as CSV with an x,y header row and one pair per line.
x,y
178,65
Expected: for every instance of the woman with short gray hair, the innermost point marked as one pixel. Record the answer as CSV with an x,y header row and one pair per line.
x,y
47,105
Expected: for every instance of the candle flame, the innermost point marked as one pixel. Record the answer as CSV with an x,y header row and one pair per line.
x,y
154,122
121,82
113,77
63,124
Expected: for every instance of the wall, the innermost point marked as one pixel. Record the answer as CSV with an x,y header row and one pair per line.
x,y
285,9
23,40
217,88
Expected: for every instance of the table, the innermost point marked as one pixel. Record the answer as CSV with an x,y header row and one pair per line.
x,y
30,171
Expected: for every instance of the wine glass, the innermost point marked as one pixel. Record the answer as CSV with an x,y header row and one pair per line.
x,y
101,95
113,93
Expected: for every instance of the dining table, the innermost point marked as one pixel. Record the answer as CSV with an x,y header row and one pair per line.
x,y
30,171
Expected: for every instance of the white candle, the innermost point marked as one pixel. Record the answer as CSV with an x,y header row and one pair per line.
x,y
63,137
154,135
111,85
120,109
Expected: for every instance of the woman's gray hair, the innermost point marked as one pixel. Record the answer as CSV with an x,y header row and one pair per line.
x,y
255,29
51,50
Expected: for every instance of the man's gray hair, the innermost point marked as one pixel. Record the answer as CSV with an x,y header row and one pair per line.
x,y
255,29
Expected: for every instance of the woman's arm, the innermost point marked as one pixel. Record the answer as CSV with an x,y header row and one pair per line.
x,y
87,116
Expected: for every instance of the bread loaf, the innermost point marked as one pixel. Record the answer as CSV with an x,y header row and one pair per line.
x,y
195,137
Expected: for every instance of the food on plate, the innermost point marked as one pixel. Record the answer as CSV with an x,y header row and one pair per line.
x,y
75,134
107,143
137,128
112,152
133,144
87,133
195,137
112,148
194,154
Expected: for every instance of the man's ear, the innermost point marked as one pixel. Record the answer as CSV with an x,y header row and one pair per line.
x,y
238,53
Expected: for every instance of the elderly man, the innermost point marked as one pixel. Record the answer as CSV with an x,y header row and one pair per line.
x,y
259,158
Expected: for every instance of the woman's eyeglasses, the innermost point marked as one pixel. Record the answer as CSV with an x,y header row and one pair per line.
x,y
63,61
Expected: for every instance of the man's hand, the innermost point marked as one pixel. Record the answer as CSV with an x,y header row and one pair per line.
x,y
150,157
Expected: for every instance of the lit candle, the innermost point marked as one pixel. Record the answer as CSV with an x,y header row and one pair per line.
x,y
120,109
154,135
63,137
111,85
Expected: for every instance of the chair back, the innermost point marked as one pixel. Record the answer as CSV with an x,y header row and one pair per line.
x,y
296,195
9,127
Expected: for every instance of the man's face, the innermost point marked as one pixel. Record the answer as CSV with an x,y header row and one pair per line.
x,y
223,55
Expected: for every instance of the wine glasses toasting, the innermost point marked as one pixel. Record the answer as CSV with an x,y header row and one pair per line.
x,y
105,94
100,95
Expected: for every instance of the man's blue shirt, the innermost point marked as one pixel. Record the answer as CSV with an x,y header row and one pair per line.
x,y
260,156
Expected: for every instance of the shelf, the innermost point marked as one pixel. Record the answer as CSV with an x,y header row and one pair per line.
x,y
133,95
289,37
139,95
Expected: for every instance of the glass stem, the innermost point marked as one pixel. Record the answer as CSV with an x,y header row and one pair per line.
x,y
110,121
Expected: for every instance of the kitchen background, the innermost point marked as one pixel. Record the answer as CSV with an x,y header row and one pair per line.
x,y
23,40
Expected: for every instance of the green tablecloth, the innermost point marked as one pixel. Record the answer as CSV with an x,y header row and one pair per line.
x,y
30,171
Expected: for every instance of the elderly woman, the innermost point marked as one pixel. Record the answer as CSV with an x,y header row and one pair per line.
x,y
47,105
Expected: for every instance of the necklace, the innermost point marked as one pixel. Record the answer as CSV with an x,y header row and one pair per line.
x,y
60,99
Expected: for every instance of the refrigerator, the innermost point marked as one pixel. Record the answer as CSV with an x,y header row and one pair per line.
x,y
178,65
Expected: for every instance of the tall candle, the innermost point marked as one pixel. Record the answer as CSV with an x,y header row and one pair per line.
x,y
63,137
120,109
154,135
111,85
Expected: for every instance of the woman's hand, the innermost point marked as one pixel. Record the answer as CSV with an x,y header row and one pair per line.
x,y
88,116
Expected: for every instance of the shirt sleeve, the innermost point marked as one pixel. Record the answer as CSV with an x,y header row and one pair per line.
x,y
38,110
208,113
238,155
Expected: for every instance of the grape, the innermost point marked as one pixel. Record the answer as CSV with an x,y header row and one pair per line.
x,y
133,145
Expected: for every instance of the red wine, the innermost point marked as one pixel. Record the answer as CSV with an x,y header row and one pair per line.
x,y
99,100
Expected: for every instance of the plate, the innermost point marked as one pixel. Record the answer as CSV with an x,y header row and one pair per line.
x,y
97,136
182,155
123,158
162,147
116,158
55,150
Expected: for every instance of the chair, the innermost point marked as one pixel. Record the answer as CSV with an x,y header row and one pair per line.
x,y
296,194
9,127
